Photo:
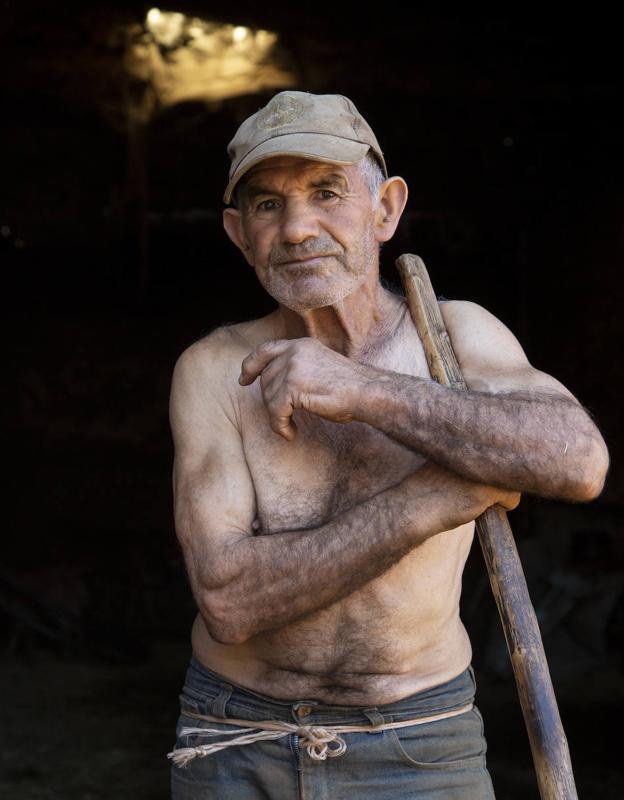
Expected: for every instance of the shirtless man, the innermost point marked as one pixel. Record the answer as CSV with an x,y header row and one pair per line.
x,y
325,487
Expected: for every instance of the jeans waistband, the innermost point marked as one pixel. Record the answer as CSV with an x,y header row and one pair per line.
x,y
207,692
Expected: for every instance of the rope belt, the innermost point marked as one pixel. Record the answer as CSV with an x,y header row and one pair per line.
x,y
321,741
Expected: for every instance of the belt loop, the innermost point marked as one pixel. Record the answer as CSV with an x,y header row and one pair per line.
x,y
218,704
374,716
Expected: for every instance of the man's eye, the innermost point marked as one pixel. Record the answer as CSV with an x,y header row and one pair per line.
x,y
326,194
267,205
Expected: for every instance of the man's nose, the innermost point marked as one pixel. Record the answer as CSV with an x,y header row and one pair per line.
x,y
299,222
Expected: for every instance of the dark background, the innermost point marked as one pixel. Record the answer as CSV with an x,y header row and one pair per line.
x,y
508,130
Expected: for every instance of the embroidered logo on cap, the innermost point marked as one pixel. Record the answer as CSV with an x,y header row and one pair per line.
x,y
282,109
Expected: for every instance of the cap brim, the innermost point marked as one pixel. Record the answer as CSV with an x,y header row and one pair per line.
x,y
315,146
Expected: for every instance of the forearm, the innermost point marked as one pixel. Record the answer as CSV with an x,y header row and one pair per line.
x,y
270,581
530,442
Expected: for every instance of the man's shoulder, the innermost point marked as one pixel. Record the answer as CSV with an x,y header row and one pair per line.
x,y
218,355
472,325
484,345
457,312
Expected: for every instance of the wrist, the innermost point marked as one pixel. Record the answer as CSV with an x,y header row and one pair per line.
x,y
371,396
391,402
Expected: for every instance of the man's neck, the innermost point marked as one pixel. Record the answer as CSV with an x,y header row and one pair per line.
x,y
353,326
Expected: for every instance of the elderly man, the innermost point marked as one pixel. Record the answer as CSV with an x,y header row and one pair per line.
x,y
326,487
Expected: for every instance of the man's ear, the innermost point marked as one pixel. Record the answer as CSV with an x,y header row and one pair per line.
x,y
233,224
392,200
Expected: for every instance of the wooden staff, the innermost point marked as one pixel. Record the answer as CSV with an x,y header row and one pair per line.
x,y
549,745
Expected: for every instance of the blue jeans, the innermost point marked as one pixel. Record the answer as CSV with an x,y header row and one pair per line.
x,y
440,760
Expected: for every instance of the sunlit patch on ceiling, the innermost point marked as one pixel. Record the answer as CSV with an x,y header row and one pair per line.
x,y
188,58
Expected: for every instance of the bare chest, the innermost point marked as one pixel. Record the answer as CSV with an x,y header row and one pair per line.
x,y
329,467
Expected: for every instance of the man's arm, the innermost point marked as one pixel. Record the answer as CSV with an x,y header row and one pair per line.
x,y
244,584
515,427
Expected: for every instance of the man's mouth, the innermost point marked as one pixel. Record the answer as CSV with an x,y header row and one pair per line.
x,y
304,259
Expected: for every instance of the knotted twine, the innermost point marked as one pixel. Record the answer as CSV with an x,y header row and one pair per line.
x,y
320,741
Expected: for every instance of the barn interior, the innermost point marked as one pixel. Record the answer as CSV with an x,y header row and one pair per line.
x,y
507,128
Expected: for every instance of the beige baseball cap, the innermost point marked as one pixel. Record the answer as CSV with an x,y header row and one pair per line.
x,y
322,127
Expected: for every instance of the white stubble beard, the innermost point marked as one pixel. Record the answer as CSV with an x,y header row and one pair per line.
x,y
350,280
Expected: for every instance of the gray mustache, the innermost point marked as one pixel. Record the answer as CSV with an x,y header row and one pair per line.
x,y
320,247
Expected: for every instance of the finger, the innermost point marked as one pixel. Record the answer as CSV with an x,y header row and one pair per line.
x,y
258,359
510,501
285,427
280,418
275,374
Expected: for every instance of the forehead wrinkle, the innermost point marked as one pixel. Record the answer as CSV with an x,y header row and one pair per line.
x,y
329,179
299,169
252,190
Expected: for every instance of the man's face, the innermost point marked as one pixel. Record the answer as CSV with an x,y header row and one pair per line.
x,y
308,230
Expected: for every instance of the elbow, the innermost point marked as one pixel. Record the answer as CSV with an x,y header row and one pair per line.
x,y
223,618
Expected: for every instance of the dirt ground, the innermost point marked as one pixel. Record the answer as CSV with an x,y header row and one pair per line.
x,y
83,731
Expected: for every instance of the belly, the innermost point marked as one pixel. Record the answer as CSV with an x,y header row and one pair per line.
x,y
397,635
